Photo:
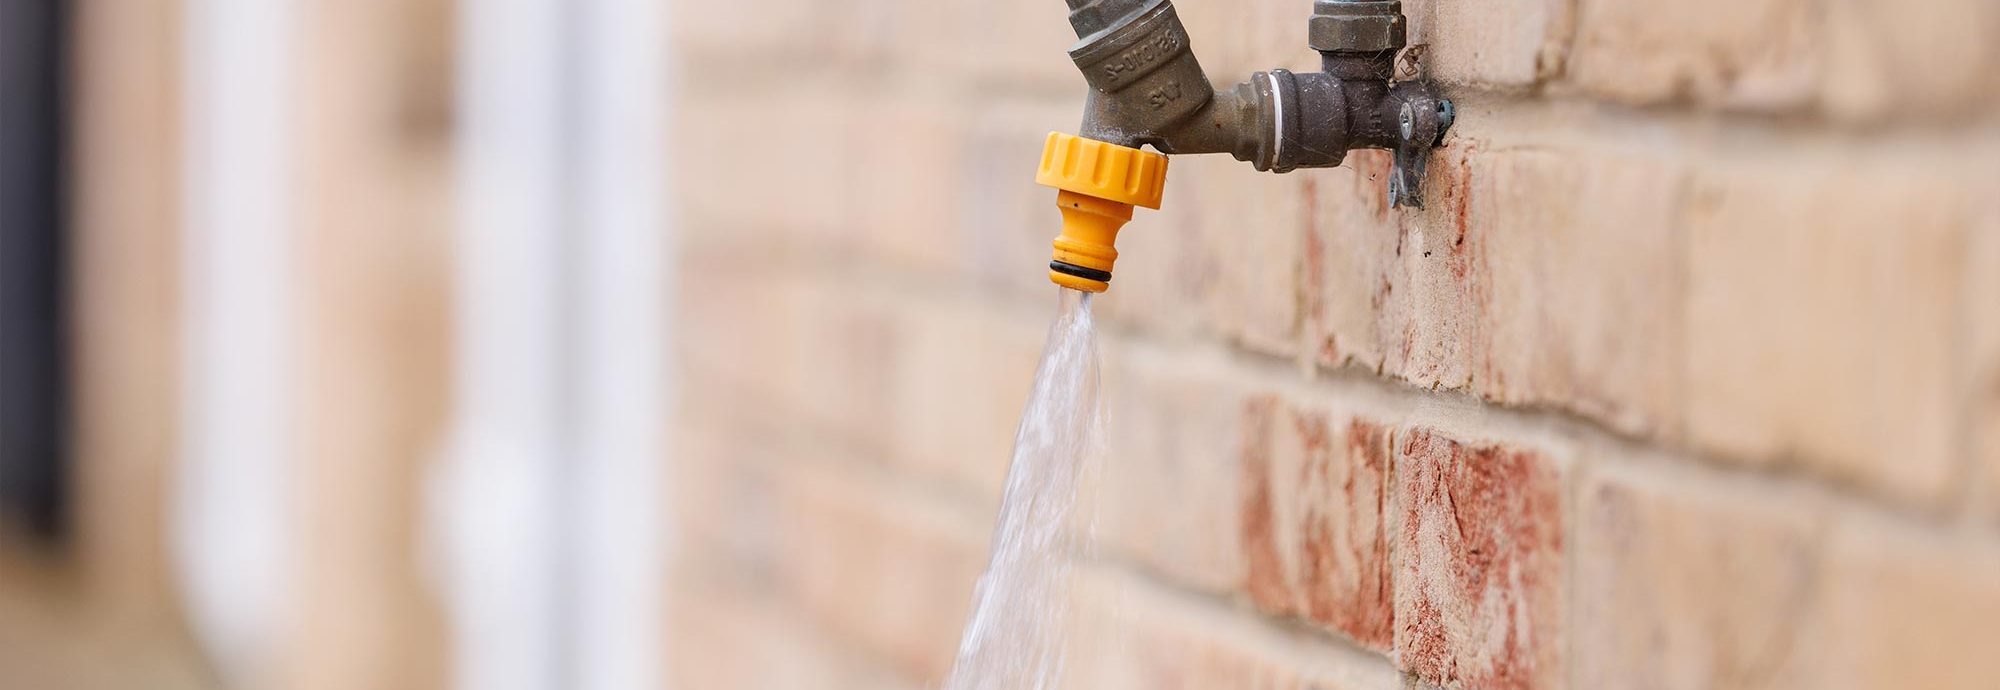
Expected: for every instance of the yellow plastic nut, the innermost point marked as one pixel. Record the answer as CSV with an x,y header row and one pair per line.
x,y
1100,183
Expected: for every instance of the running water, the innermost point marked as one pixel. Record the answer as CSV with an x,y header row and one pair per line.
x,y
1015,639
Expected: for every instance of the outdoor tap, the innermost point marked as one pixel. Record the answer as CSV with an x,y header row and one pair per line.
x,y
1147,89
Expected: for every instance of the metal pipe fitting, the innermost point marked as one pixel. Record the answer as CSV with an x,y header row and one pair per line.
x,y
1147,89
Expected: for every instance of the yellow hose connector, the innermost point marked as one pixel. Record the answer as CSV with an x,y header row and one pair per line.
x,y
1099,183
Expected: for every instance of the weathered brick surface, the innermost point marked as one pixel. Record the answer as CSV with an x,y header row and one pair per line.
x,y
1817,335
1480,563
1134,636
1582,252
1683,584
1314,535
1751,53
1750,317
1511,44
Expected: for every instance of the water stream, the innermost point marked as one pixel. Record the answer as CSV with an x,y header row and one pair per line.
x,y
1016,636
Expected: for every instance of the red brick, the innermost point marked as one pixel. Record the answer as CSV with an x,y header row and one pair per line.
x,y
1581,249
1751,53
1315,486
1509,44
1686,584
1479,580
1821,322
1933,57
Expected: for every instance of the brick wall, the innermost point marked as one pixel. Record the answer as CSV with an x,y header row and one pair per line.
x,y
1688,377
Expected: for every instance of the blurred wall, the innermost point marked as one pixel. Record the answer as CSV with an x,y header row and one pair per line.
x,y
1686,377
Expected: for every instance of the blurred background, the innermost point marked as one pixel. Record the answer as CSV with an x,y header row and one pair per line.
x,y
641,343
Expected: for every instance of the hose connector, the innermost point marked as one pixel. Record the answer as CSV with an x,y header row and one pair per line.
x,y
1099,184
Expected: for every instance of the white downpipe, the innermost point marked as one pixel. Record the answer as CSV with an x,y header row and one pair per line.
x,y
496,496
230,523
621,354
548,499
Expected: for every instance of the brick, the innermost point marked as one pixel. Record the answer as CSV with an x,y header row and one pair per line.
x,y
1173,442
1761,54
1480,544
887,572
908,198
1314,538
1821,320
1584,307
1235,39
1432,298
721,637
1933,57
1983,317
960,382
1133,636
1227,240
1684,584
1162,276
1018,46
1511,44
1008,219
730,182
1348,259
1249,228
1901,608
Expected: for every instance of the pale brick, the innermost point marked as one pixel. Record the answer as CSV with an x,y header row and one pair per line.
x,y
888,573
1221,256
1249,228
1349,254
780,171
1896,608
1161,279
960,382
747,27
1235,39
1583,310
1935,56
1683,584
1480,564
1008,219
720,637
1821,322
1751,53
1315,486
1512,43
1018,46
1983,317
1133,636
903,176
849,551
1172,497
1436,285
